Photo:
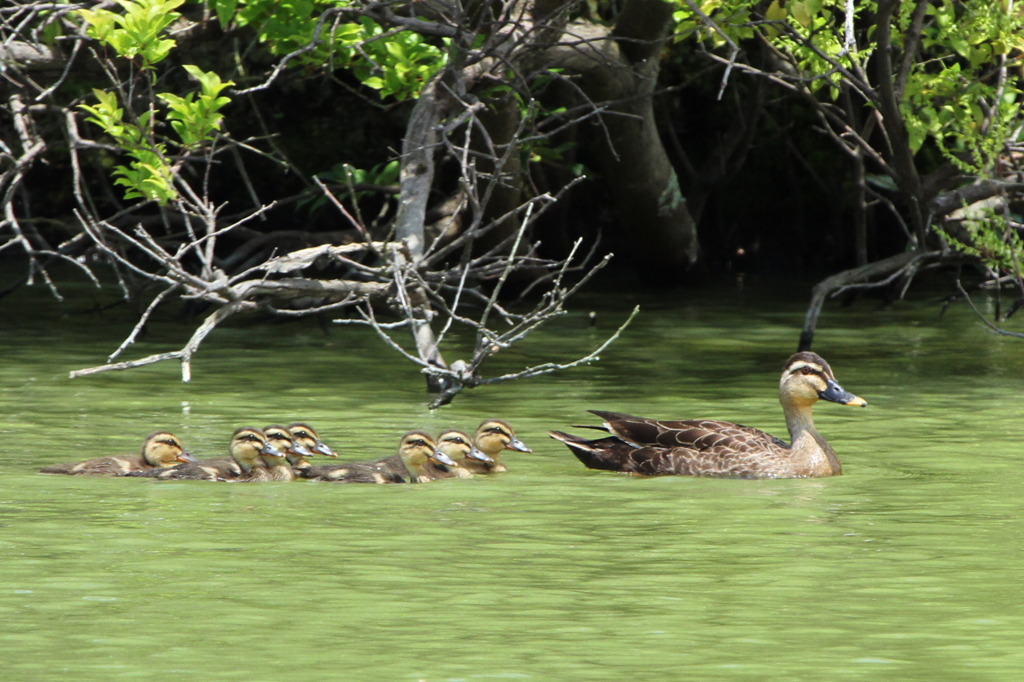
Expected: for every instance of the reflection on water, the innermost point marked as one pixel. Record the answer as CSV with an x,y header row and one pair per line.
x,y
904,568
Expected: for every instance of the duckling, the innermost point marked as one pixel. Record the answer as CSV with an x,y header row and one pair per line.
x,y
493,437
307,436
248,447
649,447
458,445
279,468
160,449
415,450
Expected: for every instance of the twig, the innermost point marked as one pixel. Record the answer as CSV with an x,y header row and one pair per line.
x,y
143,319
991,327
184,355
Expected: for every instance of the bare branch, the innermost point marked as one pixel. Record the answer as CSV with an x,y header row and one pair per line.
x,y
184,355
991,327
901,264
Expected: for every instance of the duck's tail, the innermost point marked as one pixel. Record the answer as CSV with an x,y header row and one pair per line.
x,y
603,453
57,469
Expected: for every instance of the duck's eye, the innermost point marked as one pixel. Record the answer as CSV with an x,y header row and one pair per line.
x,y
303,434
171,443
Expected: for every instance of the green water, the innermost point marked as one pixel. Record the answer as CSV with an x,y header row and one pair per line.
x,y
907,567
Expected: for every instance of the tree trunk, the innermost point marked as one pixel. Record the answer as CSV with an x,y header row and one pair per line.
x,y
618,71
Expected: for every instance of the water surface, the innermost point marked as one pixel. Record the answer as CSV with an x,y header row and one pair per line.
x,y
907,567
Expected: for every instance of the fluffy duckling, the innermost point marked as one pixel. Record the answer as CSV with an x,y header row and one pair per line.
x,y
307,436
458,445
415,451
248,447
493,437
279,468
160,449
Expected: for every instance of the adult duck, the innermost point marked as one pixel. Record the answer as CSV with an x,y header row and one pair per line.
x,y
415,450
160,449
706,447
493,437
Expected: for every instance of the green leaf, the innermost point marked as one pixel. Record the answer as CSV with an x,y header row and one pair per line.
x,y
885,182
225,10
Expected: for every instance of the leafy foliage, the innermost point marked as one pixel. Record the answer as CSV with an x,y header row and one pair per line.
x,y
147,176
951,92
137,32
953,98
958,91
195,118
347,175
988,236
397,64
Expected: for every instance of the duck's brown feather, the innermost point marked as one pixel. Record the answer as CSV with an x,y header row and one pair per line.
x,y
722,461
387,470
101,466
697,434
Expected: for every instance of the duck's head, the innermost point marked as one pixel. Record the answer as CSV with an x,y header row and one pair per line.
x,y
417,448
305,434
495,435
807,378
249,445
281,439
458,445
163,449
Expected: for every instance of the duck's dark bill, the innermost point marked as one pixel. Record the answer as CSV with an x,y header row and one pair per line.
x,y
838,394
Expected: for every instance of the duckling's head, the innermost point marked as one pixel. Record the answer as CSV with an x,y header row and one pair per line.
x,y
163,449
495,435
458,445
280,438
807,378
417,448
248,445
305,434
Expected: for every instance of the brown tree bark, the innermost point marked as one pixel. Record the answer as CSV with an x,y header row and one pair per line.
x,y
618,72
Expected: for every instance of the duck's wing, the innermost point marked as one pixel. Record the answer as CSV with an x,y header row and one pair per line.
x,y
186,472
610,454
614,454
696,434
99,466
387,470
214,469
